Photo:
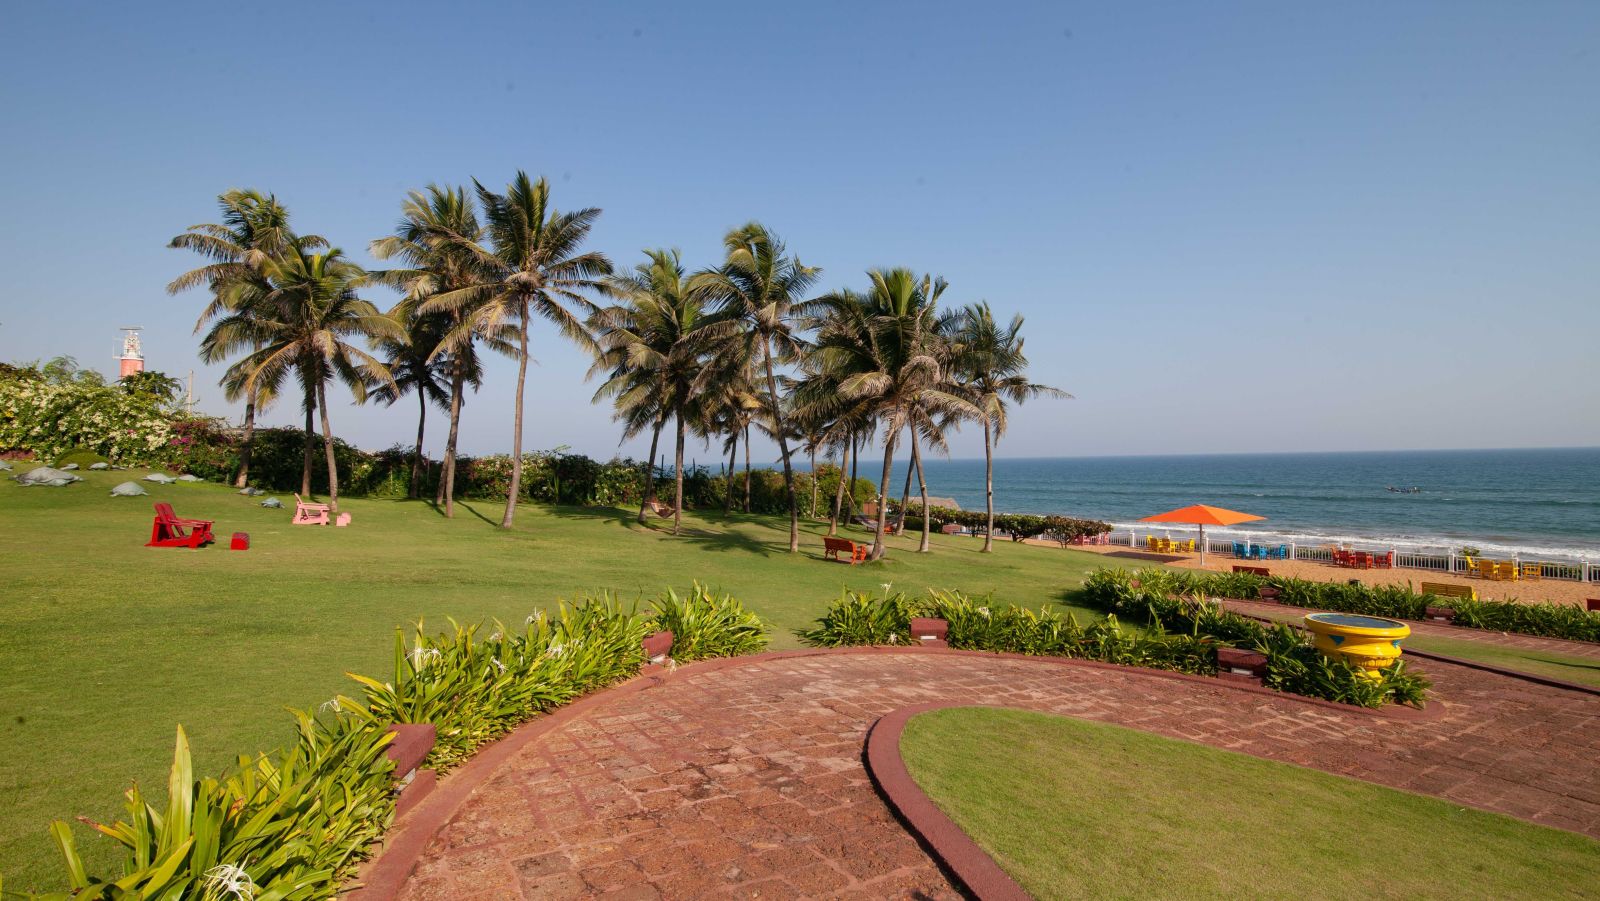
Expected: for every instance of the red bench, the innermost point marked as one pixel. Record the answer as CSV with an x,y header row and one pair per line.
x,y
1253,570
169,530
833,547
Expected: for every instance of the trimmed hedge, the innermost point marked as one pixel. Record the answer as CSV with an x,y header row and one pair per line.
x,y
1020,526
294,824
1396,601
1293,664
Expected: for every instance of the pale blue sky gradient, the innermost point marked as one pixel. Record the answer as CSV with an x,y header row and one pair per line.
x,y
1232,227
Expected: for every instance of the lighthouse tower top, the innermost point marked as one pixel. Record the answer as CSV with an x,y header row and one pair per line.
x,y
132,359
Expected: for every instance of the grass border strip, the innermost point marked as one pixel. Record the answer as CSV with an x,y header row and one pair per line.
x,y
946,842
384,874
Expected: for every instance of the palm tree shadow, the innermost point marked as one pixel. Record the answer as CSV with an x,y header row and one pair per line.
x,y
693,531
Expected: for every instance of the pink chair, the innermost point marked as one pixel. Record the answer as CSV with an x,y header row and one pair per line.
x,y
309,514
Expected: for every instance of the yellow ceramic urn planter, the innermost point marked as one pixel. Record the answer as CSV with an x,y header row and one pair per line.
x,y
1369,642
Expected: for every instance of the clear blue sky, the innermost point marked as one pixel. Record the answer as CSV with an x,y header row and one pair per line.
x,y
1232,227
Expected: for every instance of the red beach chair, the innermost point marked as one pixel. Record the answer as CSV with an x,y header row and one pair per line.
x,y
171,531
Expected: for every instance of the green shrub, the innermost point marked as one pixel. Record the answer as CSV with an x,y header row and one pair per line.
x,y
1020,526
705,624
294,824
84,459
1173,600
1395,601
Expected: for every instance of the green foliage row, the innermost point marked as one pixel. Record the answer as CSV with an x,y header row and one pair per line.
x,y
862,618
1293,664
292,825
1396,601
1020,526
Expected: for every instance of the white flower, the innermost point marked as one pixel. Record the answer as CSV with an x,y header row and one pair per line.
x,y
231,879
495,636
886,586
983,611
536,616
555,650
330,704
894,638
497,664
421,655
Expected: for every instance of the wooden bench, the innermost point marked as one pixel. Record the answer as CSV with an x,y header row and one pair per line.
x,y
833,547
1253,570
1446,590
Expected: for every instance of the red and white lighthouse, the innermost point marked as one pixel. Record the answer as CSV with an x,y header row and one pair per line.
x,y
132,359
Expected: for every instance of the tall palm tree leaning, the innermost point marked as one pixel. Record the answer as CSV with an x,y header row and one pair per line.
x,y
653,344
533,265
302,317
254,228
438,236
992,370
758,284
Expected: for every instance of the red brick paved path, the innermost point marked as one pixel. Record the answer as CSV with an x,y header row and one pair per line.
x,y
747,782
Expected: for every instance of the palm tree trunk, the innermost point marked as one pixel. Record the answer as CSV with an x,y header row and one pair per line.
x,y
838,493
988,486
311,410
248,444
327,446
747,469
783,448
813,513
733,467
447,476
677,498
650,472
416,458
905,493
883,497
516,425
922,483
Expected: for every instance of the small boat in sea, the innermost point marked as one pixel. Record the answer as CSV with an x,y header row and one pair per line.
x,y
1412,490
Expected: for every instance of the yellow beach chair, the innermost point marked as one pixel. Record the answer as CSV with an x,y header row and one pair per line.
x,y
1532,572
1508,571
1488,570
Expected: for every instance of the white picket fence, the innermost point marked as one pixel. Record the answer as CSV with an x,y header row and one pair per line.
x,y
1447,564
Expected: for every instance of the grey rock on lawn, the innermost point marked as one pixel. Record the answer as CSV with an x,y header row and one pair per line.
x,y
272,503
69,467
160,478
5,466
129,489
188,477
45,475
98,467
251,492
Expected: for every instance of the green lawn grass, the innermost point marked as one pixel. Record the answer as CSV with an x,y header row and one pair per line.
x,y
1582,670
107,645
1073,809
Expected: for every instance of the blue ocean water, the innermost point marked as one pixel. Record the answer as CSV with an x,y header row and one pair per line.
x,y
1542,503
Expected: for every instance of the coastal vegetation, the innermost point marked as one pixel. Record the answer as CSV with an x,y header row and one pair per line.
x,y
1075,809
107,638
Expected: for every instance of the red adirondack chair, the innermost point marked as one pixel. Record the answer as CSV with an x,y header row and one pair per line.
x,y
169,530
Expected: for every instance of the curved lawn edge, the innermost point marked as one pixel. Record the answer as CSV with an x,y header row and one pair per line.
x,y
945,841
382,876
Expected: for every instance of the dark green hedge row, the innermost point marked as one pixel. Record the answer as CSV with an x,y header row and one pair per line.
x,y
1397,601
1020,526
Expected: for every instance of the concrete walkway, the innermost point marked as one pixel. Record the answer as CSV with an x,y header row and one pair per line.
x,y
747,781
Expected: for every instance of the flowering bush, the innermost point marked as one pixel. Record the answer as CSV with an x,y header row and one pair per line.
x,y
49,420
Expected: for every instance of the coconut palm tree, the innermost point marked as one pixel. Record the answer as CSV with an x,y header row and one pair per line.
x,y
416,368
254,227
991,369
301,318
532,265
885,351
437,232
759,283
653,343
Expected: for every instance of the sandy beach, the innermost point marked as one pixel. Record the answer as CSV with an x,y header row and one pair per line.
x,y
1552,590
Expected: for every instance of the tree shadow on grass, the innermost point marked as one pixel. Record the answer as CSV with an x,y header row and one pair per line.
x,y
695,529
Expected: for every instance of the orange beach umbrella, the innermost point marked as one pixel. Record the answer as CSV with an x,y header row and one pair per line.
x,y
1203,515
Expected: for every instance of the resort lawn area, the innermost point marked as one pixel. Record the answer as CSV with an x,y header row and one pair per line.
x,y
1572,668
108,645
1074,809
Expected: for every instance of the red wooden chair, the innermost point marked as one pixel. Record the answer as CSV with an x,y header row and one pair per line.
x,y
169,530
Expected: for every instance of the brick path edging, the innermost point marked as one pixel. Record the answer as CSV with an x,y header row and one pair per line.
x,y
946,842
402,846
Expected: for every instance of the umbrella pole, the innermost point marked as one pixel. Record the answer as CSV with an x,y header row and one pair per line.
x,y
1202,545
